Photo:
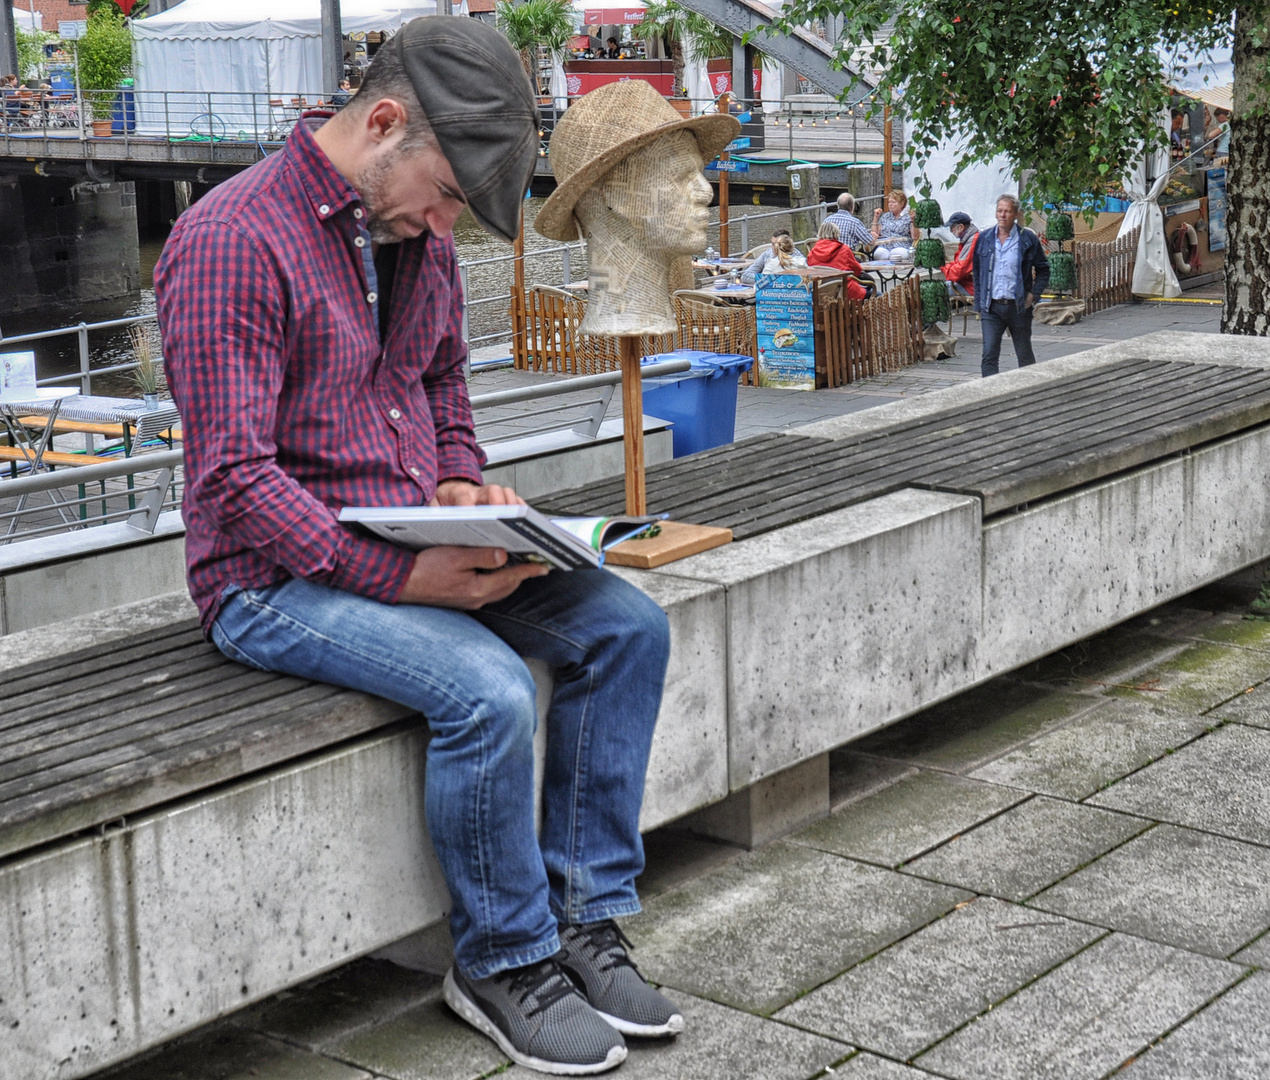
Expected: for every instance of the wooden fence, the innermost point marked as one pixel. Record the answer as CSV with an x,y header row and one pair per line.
x,y
545,333
858,338
1104,271
853,338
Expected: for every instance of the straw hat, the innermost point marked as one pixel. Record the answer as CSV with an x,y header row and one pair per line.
x,y
606,126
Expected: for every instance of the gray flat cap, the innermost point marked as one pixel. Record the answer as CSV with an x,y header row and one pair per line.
x,y
477,97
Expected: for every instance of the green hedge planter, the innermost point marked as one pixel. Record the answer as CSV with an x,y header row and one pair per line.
x,y
929,252
927,215
935,306
1063,271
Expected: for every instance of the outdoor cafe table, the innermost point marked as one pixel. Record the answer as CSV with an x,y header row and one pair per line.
x,y
131,415
46,402
887,274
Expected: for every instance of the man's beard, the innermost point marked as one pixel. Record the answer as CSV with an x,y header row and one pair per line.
x,y
370,184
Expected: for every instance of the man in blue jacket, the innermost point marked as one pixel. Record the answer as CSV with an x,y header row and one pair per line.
x,y
1011,272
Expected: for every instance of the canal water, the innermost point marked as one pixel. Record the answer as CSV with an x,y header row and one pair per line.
x,y
489,285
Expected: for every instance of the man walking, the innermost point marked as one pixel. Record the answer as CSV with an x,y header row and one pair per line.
x,y
1010,274
311,313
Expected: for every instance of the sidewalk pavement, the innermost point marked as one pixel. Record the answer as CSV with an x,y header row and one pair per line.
x,y
1062,874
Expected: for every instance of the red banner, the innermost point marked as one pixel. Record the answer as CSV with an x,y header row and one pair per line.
x,y
613,16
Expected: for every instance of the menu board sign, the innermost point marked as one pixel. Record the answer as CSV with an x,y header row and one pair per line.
x,y
786,332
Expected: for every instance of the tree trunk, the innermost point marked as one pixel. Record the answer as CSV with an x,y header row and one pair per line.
x,y
529,60
677,59
1247,308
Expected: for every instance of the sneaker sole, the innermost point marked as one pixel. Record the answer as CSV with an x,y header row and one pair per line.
x,y
673,1026
468,1010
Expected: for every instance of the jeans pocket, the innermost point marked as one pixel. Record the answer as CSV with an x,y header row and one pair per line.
x,y
232,614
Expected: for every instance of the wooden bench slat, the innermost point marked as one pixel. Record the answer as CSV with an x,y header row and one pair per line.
x,y
53,457
122,649
166,732
269,738
102,708
64,426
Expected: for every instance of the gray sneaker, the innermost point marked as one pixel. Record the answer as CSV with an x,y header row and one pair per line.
x,y
538,1019
595,958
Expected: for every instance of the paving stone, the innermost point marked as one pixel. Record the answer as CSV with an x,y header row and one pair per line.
x,y
1091,665
336,1005
911,995
1255,955
673,856
1229,1040
975,726
425,1043
1178,618
1220,783
1237,630
719,1043
227,1053
1199,678
1086,1017
853,776
870,1067
1094,750
907,817
1027,848
1170,884
757,932
1251,707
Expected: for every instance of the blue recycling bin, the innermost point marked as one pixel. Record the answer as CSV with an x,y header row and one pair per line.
x,y
123,113
700,402
62,78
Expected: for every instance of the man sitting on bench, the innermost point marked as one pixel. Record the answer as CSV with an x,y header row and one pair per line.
x,y
311,313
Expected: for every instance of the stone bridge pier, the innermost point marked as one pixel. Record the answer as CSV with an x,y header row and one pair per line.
x,y
66,239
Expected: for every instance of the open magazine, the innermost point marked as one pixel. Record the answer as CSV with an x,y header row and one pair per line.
x,y
566,543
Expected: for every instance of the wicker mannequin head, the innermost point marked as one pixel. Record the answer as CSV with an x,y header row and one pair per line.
x,y
650,211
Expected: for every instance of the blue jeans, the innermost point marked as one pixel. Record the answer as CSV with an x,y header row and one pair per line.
x,y
607,644
1001,316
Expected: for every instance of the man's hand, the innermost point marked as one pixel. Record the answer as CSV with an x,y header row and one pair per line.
x,y
1028,301
464,578
465,493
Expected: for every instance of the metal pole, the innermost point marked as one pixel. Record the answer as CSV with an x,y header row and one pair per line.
x,y
566,266
332,48
724,107
85,379
8,41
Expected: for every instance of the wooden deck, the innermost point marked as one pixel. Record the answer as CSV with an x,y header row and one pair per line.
x,y
1040,442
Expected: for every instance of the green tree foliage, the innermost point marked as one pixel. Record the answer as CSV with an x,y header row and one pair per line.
x,y
1069,90
30,45
686,32
535,23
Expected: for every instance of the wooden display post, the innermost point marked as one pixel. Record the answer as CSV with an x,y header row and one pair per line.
x,y
675,539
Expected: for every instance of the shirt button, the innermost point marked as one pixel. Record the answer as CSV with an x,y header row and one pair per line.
x,y
359,241
371,297
357,213
395,414
324,209
414,469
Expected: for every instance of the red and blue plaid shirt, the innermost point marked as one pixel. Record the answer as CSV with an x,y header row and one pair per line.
x,y
291,405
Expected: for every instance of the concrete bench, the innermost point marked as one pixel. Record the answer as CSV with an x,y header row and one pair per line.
x,y
251,831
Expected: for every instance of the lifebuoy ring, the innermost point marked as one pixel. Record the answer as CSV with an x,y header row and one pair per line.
x,y
1185,248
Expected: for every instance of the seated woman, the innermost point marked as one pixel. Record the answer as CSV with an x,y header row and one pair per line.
x,y
828,250
894,230
784,256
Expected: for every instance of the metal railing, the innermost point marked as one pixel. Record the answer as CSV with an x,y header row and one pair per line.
x,y
134,491
80,331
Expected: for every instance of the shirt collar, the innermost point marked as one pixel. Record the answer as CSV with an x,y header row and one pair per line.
x,y
327,189
1014,234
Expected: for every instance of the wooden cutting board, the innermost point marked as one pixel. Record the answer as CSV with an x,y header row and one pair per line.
x,y
677,540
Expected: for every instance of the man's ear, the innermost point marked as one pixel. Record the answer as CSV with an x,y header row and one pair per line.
x,y
385,117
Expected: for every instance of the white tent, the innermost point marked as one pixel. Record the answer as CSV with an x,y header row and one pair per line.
x,y
22,18
230,57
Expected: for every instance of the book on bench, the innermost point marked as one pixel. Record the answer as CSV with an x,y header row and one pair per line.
x,y
565,543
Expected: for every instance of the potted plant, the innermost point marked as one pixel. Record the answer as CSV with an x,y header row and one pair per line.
x,y
533,24
146,373
103,60
929,254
